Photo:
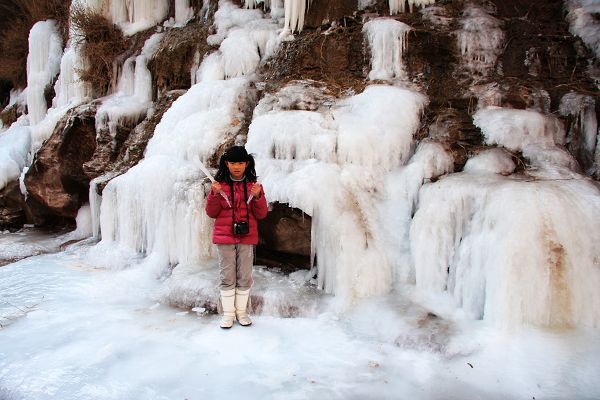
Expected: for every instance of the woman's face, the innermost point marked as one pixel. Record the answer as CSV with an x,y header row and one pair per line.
x,y
237,169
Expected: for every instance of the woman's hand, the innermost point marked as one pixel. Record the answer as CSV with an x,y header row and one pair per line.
x,y
256,189
215,187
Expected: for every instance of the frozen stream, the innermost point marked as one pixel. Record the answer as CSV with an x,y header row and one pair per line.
x,y
72,331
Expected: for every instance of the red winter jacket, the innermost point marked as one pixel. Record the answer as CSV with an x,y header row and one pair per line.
x,y
217,207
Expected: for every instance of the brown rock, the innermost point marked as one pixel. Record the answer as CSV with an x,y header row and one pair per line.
x,y
325,12
56,181
12,215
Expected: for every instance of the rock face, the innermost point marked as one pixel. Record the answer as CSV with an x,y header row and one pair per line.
x,y
536,63
56,183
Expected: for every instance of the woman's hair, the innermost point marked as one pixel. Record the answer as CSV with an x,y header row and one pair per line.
x,y
236,154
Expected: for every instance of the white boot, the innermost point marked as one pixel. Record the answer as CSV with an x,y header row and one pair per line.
x,y
241,303
228,303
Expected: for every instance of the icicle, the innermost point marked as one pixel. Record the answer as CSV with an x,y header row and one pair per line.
x,y
397,6
294,14
387,39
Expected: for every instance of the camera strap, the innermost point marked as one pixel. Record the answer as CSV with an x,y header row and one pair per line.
x,y
232,182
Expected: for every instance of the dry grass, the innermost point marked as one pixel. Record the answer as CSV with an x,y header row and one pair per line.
x,y
101,43
17,18
171,63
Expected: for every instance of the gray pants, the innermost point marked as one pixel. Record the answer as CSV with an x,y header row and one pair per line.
x,y
235,264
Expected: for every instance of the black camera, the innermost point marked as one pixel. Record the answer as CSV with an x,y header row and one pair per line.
x,y
241,228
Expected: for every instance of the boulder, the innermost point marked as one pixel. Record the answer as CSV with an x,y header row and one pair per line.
x,y
56,183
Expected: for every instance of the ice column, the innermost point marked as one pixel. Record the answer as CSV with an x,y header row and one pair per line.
x,y
43,64
388,40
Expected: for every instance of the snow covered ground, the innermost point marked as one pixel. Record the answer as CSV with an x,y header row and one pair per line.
x,y
73,331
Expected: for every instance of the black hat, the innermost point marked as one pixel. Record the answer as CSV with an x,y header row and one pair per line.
x,y
236,154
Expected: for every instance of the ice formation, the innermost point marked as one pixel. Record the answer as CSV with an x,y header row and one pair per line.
x,y
400,200
509,251
331,164
245,37
136,15
183,12
516,129
583,23
186,137
134,91
15,143
277,8
43,64
583,133
492,161
69,88
362,4
167,221
397,6
480,40
294,14
512,250
388,41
